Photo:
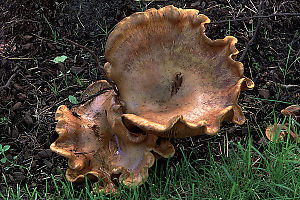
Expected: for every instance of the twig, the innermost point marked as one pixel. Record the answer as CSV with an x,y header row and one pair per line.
x,y
22,20
254,35
286,86
9,80
258,16
16,58
53,105
89,50
46,39
94,95
289,86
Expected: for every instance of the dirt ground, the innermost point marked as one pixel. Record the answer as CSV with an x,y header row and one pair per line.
x,y
32,86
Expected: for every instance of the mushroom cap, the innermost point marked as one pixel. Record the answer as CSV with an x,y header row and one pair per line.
x,y
293,111
85,138
173,79
279,131
97,144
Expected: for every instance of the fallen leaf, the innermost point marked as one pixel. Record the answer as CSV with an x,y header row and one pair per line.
x,y
60,59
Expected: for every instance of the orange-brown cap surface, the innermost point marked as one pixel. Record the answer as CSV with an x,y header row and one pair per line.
x,y
97,144
293,111
173,79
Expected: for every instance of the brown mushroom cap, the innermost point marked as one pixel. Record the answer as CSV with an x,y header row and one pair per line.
x,y
173,79
279,131
293,111
85,138
92,136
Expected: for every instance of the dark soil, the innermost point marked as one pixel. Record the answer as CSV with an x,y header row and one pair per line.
x,y
31,36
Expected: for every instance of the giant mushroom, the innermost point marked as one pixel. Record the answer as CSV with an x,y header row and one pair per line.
x,y
172,81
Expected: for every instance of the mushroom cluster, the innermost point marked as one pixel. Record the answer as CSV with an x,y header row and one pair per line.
x,y
172,81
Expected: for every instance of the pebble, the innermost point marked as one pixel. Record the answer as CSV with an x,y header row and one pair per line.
x,y
27,37
45,153
11,178
33,164
18,87
19,176
28,119
48,163
244,130
16,106
265,93
15,133
27,46
21,96
4,61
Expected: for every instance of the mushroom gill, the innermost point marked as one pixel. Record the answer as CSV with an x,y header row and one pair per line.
x,y
174,80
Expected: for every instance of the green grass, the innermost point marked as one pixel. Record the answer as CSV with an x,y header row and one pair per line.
x,y
66,80
5,113
105,31
247,172
54,34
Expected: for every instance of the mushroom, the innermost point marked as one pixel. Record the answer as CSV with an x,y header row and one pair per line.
x,y
293,111
282,129
174,80
99,146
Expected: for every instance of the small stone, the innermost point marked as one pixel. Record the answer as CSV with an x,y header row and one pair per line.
x,y
265,93
77,70
9,157
45,153
244,130
261,53
27,155
4,61
27,37
232,129
18,87
61,23
28,119
11,178
197,3
48,163
21,96
15,133
16,106
33,164
19,176
51,46
27,46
